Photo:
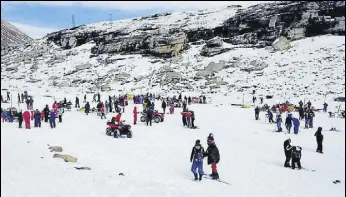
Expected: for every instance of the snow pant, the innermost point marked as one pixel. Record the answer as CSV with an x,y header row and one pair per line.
x,y
52,123
27,106
325,109
319,147
197,165
214,168
20,123
288,158
110,109
77,105
311,123
184,121
288,127
188,122
60,118
107,109
46,118
256,116
171,110
296,129
149,120
294,162
103,115
37,123
164,110
27,124
278,124
306,123
271,119
192,122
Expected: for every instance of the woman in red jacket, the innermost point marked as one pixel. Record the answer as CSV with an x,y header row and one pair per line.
x,y
135,115
103,111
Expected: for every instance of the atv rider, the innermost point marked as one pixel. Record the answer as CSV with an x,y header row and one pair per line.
x,y
213,157
197,160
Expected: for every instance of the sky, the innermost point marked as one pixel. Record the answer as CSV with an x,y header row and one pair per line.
x,y
37,18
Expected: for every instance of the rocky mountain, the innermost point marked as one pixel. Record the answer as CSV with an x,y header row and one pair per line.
x,y
228,49
11,36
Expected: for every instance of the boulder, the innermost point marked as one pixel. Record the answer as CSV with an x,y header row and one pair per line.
x,y
66,158
55,149
105,88
83,66
281,44
53,78
204,73
215,67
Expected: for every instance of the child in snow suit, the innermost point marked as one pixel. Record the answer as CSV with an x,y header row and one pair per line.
x,y
311,119
296,155
52,119
37,117
287,149
197,160
319,139
213,158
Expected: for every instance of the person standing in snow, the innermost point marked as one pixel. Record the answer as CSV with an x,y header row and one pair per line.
x,y
296,155
102,109
192,119
37,118
150,112
296,124
278,122
287,149
257,111
52,119
135,115
77,102
84,98
288,123
183,118
213,157
26,117
98,97
60,113
164,105
20,118
188,118
197,160
270,116
18,98
106,106
319,139
46,113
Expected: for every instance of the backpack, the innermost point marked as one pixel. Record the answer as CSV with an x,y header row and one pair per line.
x,y
198,154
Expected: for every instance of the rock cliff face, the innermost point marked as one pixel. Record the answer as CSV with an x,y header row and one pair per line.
x,y
11,36
167,35
226,49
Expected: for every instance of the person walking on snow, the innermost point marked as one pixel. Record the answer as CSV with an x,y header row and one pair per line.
x,y
77,103
52,119
20,118
135,115
257,111
46,113
197,160
213,157
278,122
288,123
164,105
319,139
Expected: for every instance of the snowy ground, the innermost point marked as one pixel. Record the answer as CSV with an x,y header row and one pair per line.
x,y
156,161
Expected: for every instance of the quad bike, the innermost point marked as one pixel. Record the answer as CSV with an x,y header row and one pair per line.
x,y
157,117
118,129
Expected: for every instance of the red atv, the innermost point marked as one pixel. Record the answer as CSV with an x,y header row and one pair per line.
x,y
158,117
118,130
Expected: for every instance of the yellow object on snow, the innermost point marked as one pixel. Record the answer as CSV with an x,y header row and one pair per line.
x,y
246,106
82,109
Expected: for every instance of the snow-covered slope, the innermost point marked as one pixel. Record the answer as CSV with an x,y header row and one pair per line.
x,y
155,162
11,36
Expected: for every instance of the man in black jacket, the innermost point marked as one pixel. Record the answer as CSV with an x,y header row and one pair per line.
x,y
296,155
77,102
197,160
288,123
213,157
20,118
164,105
319,139
257,111
287,149
46,113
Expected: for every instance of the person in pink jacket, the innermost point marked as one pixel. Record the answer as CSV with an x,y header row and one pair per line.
x,y
26,117
55,107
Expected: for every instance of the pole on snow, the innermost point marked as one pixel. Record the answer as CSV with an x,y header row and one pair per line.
x,y
243,98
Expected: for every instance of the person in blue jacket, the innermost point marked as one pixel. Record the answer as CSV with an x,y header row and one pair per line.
x,y
37,118
296,124
278,122
52,119
197,160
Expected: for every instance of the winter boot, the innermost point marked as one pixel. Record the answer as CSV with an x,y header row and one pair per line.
x,y
196,178
200,177
216,176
